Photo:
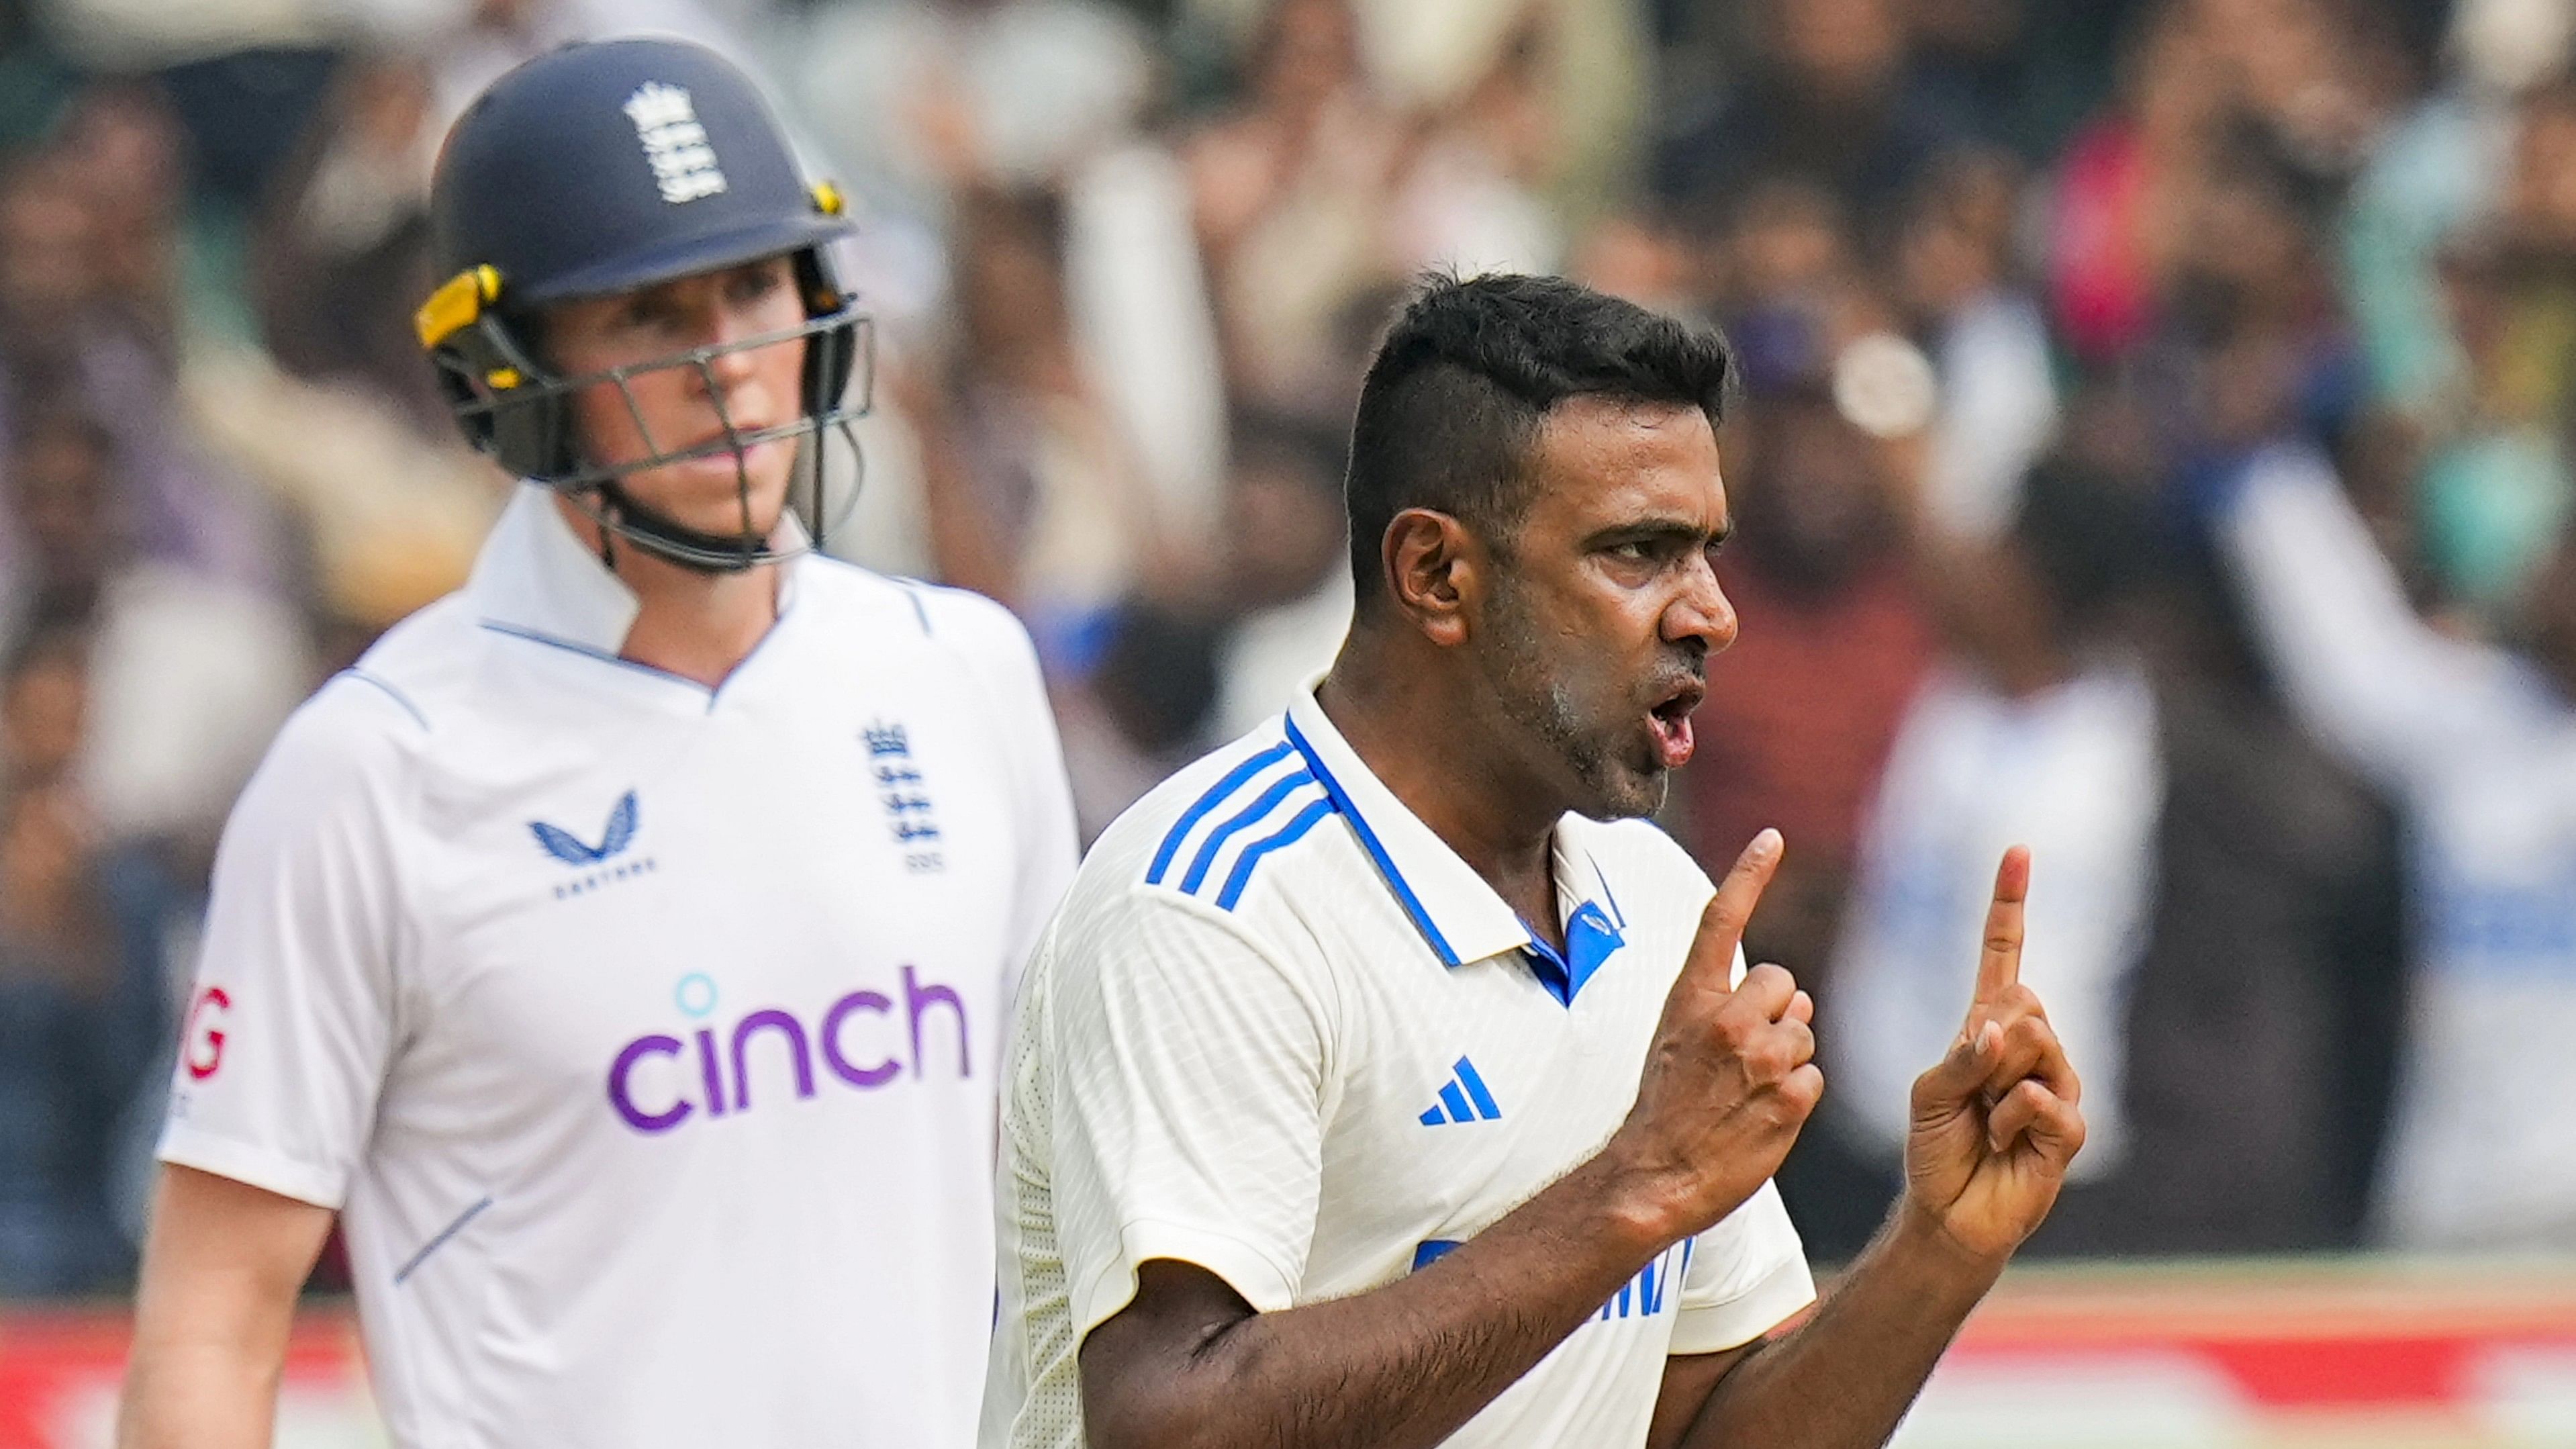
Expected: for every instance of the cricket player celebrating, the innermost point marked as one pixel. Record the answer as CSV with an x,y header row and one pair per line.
x,y
1384,1082
621,949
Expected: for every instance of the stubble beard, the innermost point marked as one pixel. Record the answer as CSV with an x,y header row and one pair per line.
x,y
1535,696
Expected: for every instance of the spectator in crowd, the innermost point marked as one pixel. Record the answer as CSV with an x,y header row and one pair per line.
x,y
917,98
1470,193
1988,340
341,253
81,983
2478,743
2266,1005
2039,728
2497,486
332,414
186,675
74,326
1832,99
2224,930
1035,494
1287,585
1291,187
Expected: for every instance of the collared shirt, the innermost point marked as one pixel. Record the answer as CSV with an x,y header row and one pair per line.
x,y
645,1034
1281,1031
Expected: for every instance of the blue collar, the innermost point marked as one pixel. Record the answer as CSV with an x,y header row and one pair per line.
x,y
1590,936
1460,916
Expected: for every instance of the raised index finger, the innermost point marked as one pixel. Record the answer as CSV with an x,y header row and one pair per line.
x,y
1721,926
1999,963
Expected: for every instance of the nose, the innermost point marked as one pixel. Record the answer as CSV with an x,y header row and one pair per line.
x,y
731,368
726,319
1700,613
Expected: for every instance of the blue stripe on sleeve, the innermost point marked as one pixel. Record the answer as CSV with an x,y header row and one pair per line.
x,y
1215,796
1287,834
1249,815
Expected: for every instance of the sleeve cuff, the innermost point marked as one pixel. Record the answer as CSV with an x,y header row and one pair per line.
x,y
187,1146
1716,1327
1245,1269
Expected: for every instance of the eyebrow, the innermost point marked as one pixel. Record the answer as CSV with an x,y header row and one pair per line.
x,y
1659,530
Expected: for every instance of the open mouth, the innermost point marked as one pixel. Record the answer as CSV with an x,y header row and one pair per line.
x,y
1669,723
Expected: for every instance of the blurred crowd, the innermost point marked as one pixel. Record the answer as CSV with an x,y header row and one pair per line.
x,y
2154,445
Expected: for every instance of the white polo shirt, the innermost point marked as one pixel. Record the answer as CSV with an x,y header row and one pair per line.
x,y
1281,1031
645,1035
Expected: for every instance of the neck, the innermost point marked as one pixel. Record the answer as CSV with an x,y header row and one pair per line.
x,y
697,625
1451,767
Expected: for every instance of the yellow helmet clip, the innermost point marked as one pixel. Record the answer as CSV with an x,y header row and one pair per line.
x,y
457,303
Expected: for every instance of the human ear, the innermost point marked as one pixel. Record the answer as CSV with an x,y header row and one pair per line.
x,y
1434,571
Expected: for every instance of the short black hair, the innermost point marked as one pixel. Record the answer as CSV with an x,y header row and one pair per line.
x,y
1455,398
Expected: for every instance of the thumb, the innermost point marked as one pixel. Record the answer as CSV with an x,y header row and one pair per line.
x,y
1962,1073
1711,965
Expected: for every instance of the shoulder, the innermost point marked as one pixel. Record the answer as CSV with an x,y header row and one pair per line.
x,y
1196,846
1205,831
422,664
958,623
1194,888
370,721
336,770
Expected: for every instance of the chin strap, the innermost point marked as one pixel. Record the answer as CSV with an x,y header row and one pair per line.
x,y
617,513
672,541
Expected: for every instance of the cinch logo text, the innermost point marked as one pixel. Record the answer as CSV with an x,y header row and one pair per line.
x,y
859,1039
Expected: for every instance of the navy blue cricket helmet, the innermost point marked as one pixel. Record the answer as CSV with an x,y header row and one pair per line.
x,y
602,168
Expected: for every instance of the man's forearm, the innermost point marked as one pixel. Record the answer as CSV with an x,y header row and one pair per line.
x,y
198,1396
213,1311
1400,1366
1844,1379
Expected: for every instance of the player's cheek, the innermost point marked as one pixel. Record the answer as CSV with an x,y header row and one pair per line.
x,y
607,430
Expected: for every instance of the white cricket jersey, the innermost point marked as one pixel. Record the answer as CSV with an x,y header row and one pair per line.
x,y
645,1035
1281,1031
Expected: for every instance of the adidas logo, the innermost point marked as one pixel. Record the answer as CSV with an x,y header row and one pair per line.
x,y
1463,1098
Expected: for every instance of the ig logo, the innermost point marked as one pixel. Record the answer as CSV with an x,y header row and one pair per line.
x,y
202,1042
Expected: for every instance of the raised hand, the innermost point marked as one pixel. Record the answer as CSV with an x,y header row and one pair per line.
x,y
1730,1078
1995,1122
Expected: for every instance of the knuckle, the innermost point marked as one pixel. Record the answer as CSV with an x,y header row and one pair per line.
x,y
1766,1060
